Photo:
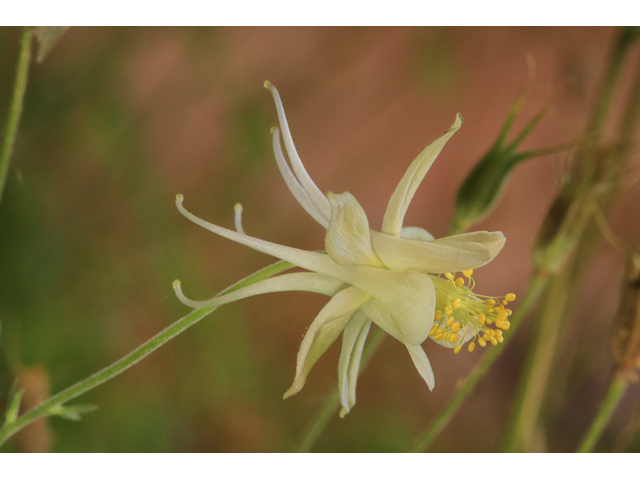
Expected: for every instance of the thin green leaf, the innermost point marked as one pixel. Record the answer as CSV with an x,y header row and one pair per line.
x,y
15,398
72,412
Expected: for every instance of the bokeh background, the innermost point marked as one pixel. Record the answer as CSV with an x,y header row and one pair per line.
x,y
117,121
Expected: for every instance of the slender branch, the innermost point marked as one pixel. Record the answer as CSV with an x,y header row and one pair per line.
x,y
320,420
48,406
530,393
536,287
15,109
617,388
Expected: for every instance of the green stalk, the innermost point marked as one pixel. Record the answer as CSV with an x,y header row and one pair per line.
x,y
15,109
530,394
617,388
320,420
49,406
536,287
625,39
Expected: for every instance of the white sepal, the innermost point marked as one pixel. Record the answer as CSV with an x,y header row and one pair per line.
x,y
324,330
423,365
348,241
353,339
404,192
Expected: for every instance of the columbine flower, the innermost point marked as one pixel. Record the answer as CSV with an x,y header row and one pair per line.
x,y
391,278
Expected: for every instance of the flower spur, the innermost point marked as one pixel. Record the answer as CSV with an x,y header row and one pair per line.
x,y
391,277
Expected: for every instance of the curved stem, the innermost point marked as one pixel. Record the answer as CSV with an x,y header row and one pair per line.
x,y
616,390
536,287
15,110
320,420
48,406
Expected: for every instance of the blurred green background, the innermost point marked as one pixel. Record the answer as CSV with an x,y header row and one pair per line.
x,y
117,121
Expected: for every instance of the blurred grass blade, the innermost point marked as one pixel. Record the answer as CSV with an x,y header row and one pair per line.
x,y
47,37
15,110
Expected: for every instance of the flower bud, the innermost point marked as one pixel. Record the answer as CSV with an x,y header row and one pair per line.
x,y
483,186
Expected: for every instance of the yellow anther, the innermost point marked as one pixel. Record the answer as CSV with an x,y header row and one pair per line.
x,y
498,333
500,339
491,302
457,302
486,336
489,321
502,315
447,336
510,297
500,307
457,349
454,338
433,330
459,282
438,335
509,311
482,342
455,327
467,273
493,341
506,325
472,346
482,318
450,321
449,275
448,309
490,310
499,323
438,315
504,302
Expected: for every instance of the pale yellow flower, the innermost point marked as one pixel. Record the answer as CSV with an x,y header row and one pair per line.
x,y
391,278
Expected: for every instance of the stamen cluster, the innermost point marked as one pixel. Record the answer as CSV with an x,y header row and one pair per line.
x,y
462,314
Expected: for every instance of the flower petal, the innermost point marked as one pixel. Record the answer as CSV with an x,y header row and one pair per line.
x,y
410,295
421,362
314,193
403,308
299,281
494,241
402,196
439,256
324,330
348,241
353,338
416,233
292,182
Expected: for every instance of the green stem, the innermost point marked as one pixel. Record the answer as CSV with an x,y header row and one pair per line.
x,y
15,110
48,406
536,287
530,393
623,42
616,390
320,420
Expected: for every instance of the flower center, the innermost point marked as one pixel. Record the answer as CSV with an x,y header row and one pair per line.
x,y
461,313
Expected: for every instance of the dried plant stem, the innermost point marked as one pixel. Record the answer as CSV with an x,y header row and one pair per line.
x,y
15,109
536,287
617,388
